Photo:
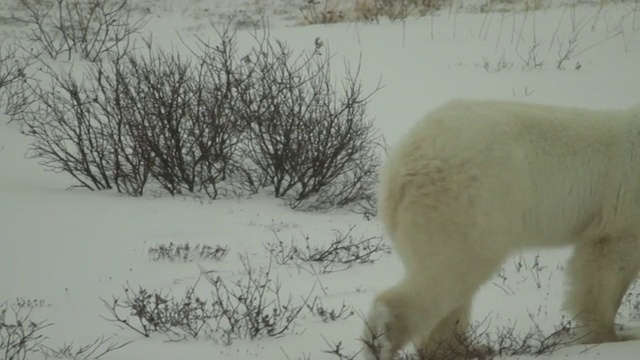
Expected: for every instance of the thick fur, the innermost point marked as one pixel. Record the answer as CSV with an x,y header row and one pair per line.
x,y
475,181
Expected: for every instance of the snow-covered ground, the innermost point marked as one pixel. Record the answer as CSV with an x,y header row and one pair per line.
x,y
68,249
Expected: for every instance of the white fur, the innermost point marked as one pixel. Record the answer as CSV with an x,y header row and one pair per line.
x,y
376,344
475,181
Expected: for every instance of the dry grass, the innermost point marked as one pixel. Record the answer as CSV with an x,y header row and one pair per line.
x,y
332,11
305,12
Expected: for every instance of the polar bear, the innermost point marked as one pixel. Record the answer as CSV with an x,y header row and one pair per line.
x,y
475,181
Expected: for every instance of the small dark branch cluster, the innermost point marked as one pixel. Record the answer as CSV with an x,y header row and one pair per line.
x,y
532,60
374,10
19,335
344,251
303,356
90,28
328,315
566,51
372,343
319,12
252,307
14,95
336,349
30,303
12,69
147,312
187,252
93,351
507,342
478,342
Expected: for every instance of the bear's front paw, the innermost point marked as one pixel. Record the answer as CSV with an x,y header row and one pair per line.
x,y
630,334
595,336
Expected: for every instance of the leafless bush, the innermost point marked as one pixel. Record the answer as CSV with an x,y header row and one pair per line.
x,y
186,252
181,121
222,65
117,114
12,69
146,312
336,349
566,51
374,10
478,342
90,28
252,307
532,60
497,65
326,314
67,133
313,143
132,119
20,336
321,12
340,254
14,97
218,123
97,349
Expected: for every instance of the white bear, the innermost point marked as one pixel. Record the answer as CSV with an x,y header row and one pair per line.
x,y
475,181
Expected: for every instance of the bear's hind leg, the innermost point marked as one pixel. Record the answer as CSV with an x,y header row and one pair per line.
x,y
600,272
448,337
389,325
439,294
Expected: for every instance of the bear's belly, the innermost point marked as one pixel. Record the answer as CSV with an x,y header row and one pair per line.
x,y
560,225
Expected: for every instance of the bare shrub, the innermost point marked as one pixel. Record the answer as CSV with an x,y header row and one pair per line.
x,y
374,10
90,28
336,349
326,314
186,252
147,312
252,307
496,65
182,121
67,133
217,123
93,351
20,336
478,342
133,119
221,64
344,251
313,143
117,115
12,69
14,95
321,12
532,60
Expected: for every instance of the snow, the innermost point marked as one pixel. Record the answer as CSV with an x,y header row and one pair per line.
x,y
72,248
